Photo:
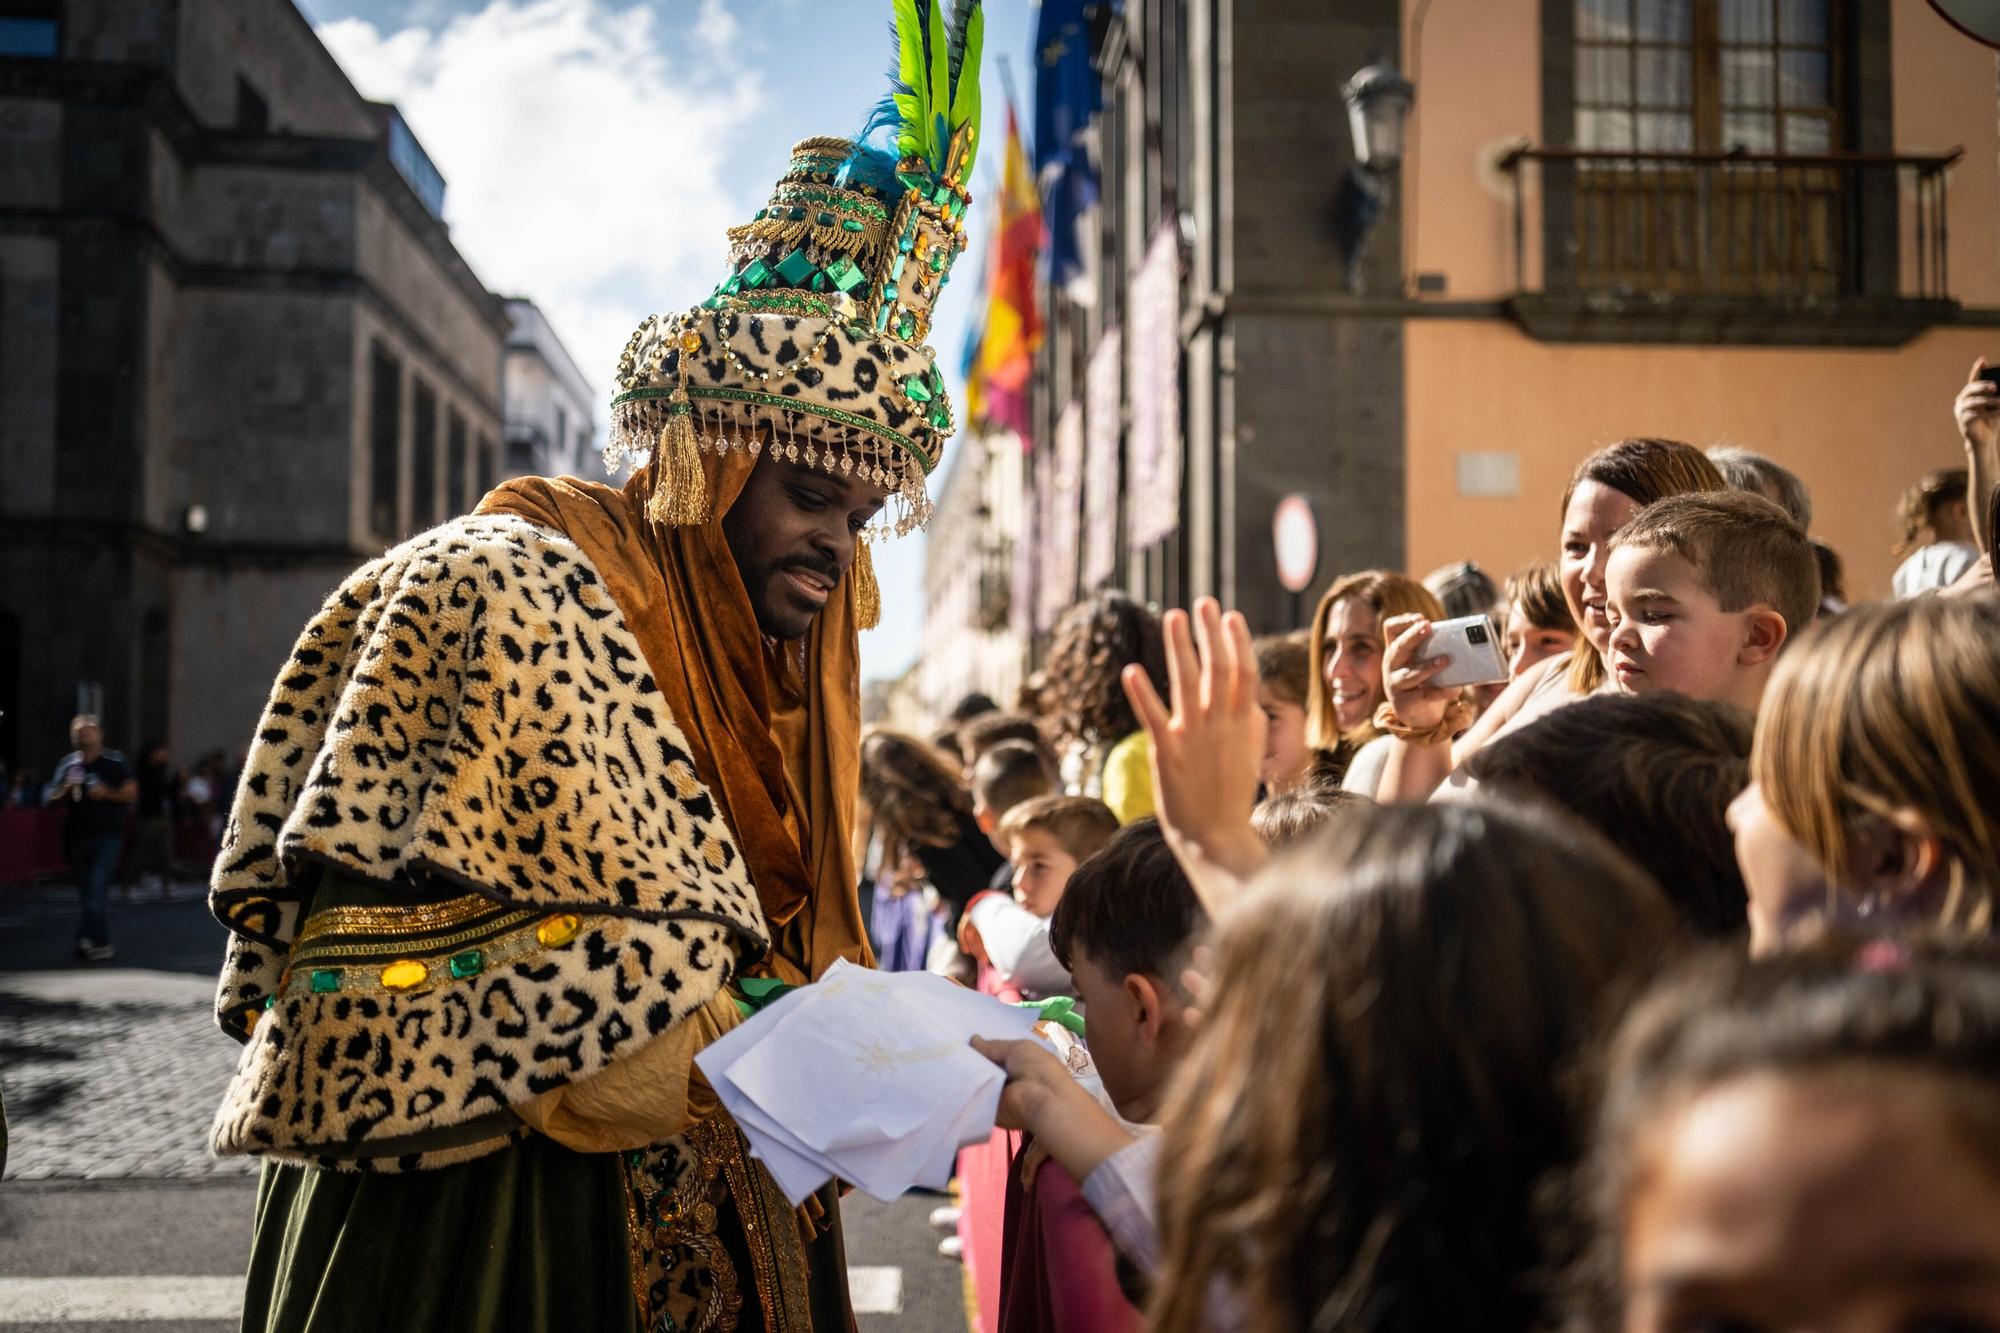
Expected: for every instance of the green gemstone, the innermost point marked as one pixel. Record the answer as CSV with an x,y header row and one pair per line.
x,y
845,274
712,303
270,1001
916,389
795,268
755,274
937,260
760,215
797,215
896,269
325,980
906,326
940,415
907,243
942,195
819,282
882,318
853,224
824,220
731,286
467,964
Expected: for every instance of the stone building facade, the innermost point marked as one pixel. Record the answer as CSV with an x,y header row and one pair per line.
x,y
238,354
551,430
969,555
1724,221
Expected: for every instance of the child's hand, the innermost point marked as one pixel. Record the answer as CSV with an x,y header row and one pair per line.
x,y
1977,410
1209,747
1044,1098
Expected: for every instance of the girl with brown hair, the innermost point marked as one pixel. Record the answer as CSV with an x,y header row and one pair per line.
x,y
1874,772
1104,752
1938,537
923,812
1604,493
1345,687
1284,687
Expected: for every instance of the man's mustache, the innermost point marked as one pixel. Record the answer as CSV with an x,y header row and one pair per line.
x,y
826,569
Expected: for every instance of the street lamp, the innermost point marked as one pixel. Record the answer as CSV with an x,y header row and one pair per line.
x,y
1378,110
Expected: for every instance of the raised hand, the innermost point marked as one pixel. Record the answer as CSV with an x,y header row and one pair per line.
x,y
1207,747
1977,410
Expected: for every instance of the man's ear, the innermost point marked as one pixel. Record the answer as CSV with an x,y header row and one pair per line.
x,y
1148,1004
982,815
1898,860
1764,633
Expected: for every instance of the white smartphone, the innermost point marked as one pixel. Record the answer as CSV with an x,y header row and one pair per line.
x,y
1473,645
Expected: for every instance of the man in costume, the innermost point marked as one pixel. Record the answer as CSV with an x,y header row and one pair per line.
x,y
548,797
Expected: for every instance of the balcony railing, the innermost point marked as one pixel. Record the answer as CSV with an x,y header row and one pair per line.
x,y
1747,227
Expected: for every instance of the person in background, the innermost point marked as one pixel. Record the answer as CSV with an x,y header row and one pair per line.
x,y
1291,818
25,792
1803,1142
1757,475
1874,772
1126,929
1346,685
1538,620
1284,685
1046,839
1463,589
1103,750
920,806
96,789
1607,489
987,730
153,828
1977,412
1938,536
1009,774
1655,775
1832,579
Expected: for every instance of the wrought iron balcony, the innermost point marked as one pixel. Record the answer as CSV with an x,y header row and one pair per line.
x,y
1729,246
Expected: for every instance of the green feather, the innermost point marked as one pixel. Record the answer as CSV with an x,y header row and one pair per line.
x,y
940,98
965,92
913,73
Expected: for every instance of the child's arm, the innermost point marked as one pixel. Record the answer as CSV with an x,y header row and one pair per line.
x,y
1016,943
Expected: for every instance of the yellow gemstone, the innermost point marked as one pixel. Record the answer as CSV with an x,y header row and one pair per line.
x,y
404,974
559,929
690,342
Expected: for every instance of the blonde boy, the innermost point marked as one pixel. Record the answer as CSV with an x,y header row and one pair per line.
x,y
1703,591
1046,839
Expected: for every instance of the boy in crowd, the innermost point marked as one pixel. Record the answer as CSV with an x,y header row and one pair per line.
x,y
1045,840
982,734
1009,774
1703,591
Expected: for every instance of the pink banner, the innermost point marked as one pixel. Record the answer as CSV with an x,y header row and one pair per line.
x,y
1153,471
1065,513
1103,425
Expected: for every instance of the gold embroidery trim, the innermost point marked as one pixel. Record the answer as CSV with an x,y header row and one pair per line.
x,y
754,1190
366,978
507,921
381,920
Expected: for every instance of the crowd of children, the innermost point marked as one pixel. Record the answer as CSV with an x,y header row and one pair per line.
x,y
1650,989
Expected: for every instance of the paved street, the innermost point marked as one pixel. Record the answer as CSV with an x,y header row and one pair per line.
x,y
112,1214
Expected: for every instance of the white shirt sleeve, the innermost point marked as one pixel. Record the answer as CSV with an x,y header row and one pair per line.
x,y
1017,944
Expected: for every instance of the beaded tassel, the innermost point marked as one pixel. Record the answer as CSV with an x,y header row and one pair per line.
x,y
867,592
680,488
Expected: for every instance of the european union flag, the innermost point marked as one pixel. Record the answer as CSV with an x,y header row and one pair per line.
x,y
1068,96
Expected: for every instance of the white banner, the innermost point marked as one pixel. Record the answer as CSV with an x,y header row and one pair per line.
x,y
1103,406
1153,470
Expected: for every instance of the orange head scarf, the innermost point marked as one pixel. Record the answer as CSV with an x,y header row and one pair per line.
x,y
775,728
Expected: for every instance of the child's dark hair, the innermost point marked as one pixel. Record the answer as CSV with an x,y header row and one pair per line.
x,y
1290,818
1010,774
1919,1007
982,733
1653,773
1130,907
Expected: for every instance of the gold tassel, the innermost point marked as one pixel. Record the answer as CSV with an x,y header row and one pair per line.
x,y
680,488
867,592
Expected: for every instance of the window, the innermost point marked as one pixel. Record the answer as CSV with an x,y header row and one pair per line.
x,y
423,443
455,498
30,29
489,475
1707,75
385,402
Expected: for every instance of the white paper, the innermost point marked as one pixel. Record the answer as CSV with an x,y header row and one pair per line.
x,y
865,1076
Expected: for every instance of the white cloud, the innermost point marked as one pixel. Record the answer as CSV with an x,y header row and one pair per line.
x,y
584,162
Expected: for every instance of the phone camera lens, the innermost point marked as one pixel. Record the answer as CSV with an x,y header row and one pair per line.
x,y
1475,634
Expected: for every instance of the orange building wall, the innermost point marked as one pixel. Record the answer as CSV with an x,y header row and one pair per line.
x,y
1858,425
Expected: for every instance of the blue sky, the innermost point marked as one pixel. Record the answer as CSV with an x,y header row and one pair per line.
x,y
594,150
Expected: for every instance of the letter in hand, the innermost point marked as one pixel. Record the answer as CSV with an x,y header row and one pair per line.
x,y
1406,674
1207,748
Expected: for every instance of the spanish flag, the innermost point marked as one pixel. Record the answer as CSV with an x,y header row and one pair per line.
x,y
996,384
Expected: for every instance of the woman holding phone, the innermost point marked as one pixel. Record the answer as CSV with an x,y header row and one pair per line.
x,y
1606,490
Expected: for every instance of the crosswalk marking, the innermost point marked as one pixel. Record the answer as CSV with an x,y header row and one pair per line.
x,y
76,1300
